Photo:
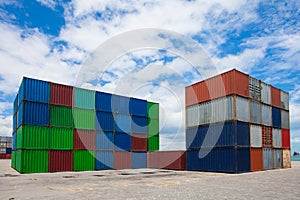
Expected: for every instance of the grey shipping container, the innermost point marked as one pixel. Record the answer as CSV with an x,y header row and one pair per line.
x,y
222,109
242,109
277,138
255,112
267,158
256,136
254,88
285,119
266,112
277,158
285,100
193,115
265,93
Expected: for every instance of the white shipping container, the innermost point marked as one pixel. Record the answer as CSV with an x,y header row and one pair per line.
x,y
256,136
265,93
2,150
277,138
222,109
193,115
285,119
266,112
242,109
284,100
254,88
255,112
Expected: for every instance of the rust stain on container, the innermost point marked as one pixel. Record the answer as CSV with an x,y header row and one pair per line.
x,y
122,160
61,94
84,139
175,160
275,97
286,158
256,159
60,161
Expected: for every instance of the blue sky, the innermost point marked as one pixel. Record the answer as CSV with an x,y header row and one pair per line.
x,y
51,39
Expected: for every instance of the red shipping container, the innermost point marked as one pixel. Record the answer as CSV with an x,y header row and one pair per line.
x,y
8,156
175,160
122,160
275,97
256,160
267,139
61,95
228,83
3,156
286,140
139,142
60,161
84,139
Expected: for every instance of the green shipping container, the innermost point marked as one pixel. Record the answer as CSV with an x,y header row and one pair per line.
x,y
61,138
84,98
61,116
84,160
153,143
31,161
153,127
33,137
84,119
153,110
13,159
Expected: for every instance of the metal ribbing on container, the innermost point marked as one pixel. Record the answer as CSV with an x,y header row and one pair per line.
x,y
254,88
267,136
138,107
61,138
285,100
242,109
120,104
266,115
175,160
277,138
84,139
84,119
104,141
267,158
255,112
286,158
61,116
61,95
32,161
105,121
193,115
33,137
277,158
104,160
275,97
222,109
153,110
122,160
139,142
256,159
122,141
84,98
103,102
285,119
265,93
256,136
139,160
123,123
276,117
60,161
84,160
139,124
35,114
286,140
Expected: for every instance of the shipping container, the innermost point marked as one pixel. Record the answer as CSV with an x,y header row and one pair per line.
x,y
16,104
31,161
105,121
285,119
105,140
256,159
286,140
254,88
255,112
61,138
61,116
120,104
276,117
35,114
8,156
267,158
265,93
277,138
284,100
277,158
122,160
193,115
84,119
13,159
61,95
8,150
267,136
14,142
139,160
153,127
153,110
84,160
139,124
275,97
139,142
242,109
256,136
174,160
34,90
3,144
33,137
3,151
84,98
153,143
103,102
60,161
286,158
122,141
138,107
84,139
123,123
15,124
222,109
266,115
104,160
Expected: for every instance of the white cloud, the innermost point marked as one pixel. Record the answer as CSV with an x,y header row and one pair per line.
x,y
5,125
48,3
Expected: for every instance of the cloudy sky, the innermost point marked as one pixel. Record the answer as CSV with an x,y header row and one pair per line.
x,y
54,39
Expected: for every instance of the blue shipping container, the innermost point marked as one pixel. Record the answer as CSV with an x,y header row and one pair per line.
x,y
242,134
103,101
243,160
16,104
139,160
139,124
14,141
192,140
104,141
120,104
8,150
123,123
276,117
15,123
105,121
104,160
35,114
122,142
138,107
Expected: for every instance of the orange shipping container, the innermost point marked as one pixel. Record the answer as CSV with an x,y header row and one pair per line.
x,y
275,97
256,160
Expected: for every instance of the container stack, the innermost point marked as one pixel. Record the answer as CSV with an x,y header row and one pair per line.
x,y
236,123
64,128
5,147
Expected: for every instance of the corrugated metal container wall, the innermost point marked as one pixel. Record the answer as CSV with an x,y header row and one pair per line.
x,y
242,134
61,116
84,139
265,93
139,124
84,98
33,137
277,158
105,121
266,115
84,119
8,150
84,160
61,138
256,160
104,141
153,110
13,159
268,158
275,97
138,107
267,136
284,100
254,88
286,158
256,136
36,114
190,96
277,138
61,95
175,160
122,141
139,160
286,140
15,123
191,138
222,109
120,104
14,142
193,115
60,161
103,101
276,117
153,143
153,127
242,109
285,119
123,123
104,160
139,142
122,160
32,161
206,109
255,112
16,105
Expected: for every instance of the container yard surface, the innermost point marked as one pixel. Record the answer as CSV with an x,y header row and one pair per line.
x,y
150,184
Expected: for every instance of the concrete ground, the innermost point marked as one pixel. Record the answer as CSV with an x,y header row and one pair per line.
x,y
150,184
